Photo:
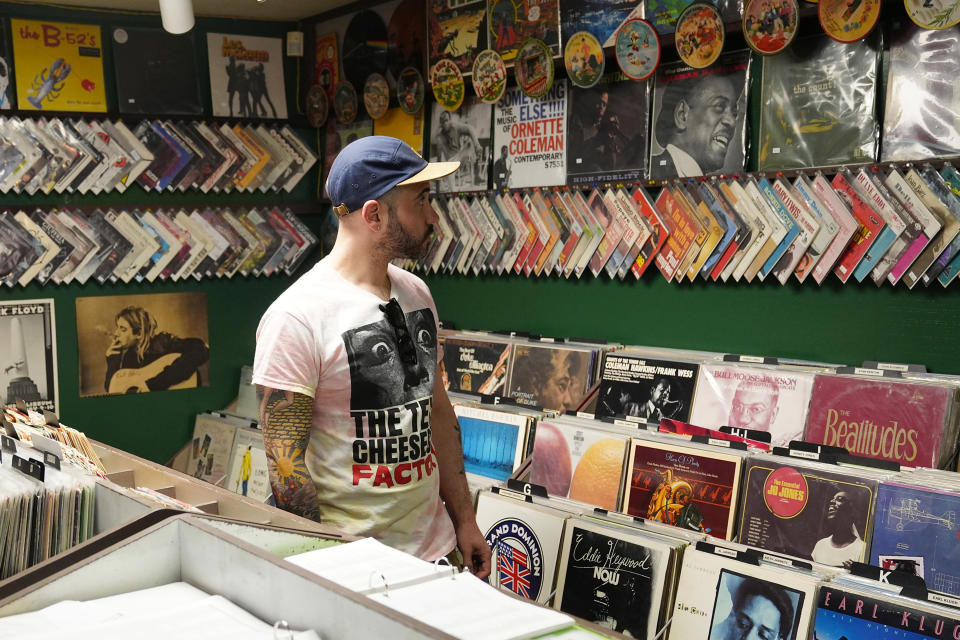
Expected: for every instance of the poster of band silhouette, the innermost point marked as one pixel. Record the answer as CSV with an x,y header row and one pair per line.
x,y
246,76
28,354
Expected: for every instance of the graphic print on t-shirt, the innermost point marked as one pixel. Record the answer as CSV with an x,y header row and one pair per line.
x,y
390,401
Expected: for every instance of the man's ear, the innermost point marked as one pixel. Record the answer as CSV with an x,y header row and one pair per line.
x,y
372,213
680,114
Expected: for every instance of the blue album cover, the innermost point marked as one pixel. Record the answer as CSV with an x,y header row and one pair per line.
x,y
916,528
489,448
602,18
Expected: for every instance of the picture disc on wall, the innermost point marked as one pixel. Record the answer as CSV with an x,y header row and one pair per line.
x,y
638,49
933,14
583,59
769,30
848,20
345,102
410,90
376,95
317,106
534,68
447,84
489,76
699,35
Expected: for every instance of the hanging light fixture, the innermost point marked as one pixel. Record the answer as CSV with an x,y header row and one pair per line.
x,y
176,15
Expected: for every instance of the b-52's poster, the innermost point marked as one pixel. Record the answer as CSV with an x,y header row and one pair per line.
x,y
246,76
59,66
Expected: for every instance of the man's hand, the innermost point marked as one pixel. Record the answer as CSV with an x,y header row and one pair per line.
x,y
475,550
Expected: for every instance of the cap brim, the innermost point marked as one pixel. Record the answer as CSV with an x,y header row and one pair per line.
x,y
433,171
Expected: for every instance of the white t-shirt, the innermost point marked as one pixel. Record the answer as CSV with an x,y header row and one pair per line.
x,y
370,452
825,553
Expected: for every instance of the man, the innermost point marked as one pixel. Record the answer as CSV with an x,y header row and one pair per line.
x,y
654,409
696,124
759,610
358,429
754,405
140,358
501,170
842,545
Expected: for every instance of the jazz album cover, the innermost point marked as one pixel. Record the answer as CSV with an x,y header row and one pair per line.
x,y
59,66
28,354
646,388
607,132
530,138
687,487
457,30
246,76
602,18
493,441
553,378
464,135
475,366
155,71
854,614
916,530
762,399
141,343
612,577
807,510
699,118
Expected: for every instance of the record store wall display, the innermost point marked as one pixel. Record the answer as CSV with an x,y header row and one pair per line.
x,y
457,30
58,66
602,18
512,22
463,135
156,72
246,76
530,138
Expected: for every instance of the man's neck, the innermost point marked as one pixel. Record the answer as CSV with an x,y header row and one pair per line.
x,y
361,266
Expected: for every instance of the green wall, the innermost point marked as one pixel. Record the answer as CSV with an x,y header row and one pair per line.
x,y
155,425
835,323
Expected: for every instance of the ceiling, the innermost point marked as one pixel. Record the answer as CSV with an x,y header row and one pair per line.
x,y
275,10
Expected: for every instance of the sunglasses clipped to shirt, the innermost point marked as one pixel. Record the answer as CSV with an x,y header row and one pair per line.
x,y
394,313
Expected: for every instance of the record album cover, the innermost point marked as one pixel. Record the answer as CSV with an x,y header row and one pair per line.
x,y
809,511
699,118
7,88
687,487
762,399
58,66
246,76
550,377
457,30
818,100
846,614
463,135
155,71
918,526
646,388
493,441
606,131
530,138
922,116
881,418
602,18
475,366
612,577
511,22
28,351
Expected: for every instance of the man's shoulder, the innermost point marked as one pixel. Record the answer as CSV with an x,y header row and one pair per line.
x,y
407,280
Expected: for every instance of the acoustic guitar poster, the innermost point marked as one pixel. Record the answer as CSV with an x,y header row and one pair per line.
x,y
142,343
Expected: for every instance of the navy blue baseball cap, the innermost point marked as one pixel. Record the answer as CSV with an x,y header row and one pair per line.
x,y
369,167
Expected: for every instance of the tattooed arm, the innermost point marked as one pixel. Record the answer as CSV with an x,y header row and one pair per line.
x,y
286,418
453,482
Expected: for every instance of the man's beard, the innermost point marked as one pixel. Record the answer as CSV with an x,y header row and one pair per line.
x,y
400,243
